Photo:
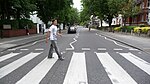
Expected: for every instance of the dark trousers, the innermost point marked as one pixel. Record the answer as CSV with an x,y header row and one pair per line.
x,y
52,47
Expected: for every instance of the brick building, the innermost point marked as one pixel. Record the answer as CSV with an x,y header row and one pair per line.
x,y
143,18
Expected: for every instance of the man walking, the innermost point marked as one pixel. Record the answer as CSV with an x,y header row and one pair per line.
x,y
52,33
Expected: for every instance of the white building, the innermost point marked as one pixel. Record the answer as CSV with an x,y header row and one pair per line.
x,y
40,24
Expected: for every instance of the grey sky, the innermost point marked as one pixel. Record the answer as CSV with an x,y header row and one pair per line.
x,y
77,4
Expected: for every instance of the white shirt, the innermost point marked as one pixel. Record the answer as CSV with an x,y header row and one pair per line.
x,y
53,32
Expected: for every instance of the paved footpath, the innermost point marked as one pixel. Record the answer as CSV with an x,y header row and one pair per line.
x,y
133,40
7,43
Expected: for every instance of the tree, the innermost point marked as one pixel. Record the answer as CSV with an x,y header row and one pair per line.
x,y
49,9
86,12
16,8
129,9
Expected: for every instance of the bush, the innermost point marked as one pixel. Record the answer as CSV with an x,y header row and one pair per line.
x,y
145,29
137,29
117,29
14,23
25,22
127,28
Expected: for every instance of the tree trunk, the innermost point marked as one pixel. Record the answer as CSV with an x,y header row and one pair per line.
x,y
101,23
64,25
125,21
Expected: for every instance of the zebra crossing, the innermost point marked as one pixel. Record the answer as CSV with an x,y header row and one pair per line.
x,y
77,69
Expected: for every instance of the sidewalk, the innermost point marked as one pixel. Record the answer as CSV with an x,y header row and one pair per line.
x,y
139,42
7,43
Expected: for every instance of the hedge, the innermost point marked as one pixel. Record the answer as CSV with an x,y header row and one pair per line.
x,y
17,24
124,28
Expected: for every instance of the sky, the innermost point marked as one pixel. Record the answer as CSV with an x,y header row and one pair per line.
x,y
77,4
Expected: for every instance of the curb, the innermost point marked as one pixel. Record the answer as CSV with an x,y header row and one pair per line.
x,y
128,44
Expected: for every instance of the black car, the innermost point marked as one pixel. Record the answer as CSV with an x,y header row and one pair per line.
x,y
72,29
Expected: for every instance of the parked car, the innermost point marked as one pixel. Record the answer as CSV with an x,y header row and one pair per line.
x,y
72,29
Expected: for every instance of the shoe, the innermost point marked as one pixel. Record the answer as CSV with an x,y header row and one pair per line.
x,y
50,57
61,58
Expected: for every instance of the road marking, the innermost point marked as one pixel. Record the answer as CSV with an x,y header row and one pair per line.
x,y
8,56
116,43
72,43
142,64
133,49
24,49
117,49
86,49
11,49
102,49
76,73
16,64
69,49
38,72
39,49
115,72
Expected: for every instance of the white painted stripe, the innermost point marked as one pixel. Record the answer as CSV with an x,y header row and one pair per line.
x,y
133,49
77,73
8,56
16,64
86,49
38,72
24,49
116,43
117,49
11,49
101,48
69,49
142,64
39,49
115,72
72,43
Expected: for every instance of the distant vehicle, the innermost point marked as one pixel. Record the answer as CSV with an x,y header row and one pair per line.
x,y
72,29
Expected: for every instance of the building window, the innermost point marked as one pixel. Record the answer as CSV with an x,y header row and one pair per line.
x,y
142,18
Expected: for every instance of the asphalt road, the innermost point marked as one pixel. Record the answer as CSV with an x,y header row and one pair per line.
x,y
90,58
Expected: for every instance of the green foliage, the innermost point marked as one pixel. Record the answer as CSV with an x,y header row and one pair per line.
x,y
50,9
14,23
108,9
25,22
16,8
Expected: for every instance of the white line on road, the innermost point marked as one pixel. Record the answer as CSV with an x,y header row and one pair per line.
x,y
117,43
72,43
142,64
69,49
11,49
117,49
16,64
24,49
115,72
133,49
84,49
102,49
38,72
39,49
8,56
76,73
